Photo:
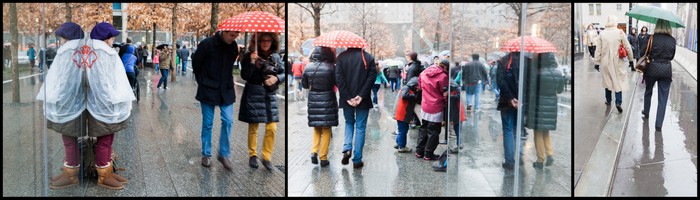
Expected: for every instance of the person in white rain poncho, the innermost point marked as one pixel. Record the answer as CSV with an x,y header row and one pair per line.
x,y
87,77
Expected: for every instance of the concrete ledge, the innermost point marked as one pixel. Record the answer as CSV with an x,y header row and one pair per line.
x,y
598,172
688,60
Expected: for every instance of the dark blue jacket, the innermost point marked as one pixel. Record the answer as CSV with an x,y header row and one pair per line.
x,y
212,65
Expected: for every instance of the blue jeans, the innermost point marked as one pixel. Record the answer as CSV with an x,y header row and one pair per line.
x,y
394,84
375,93
618,97
157,67
494,88
355,118
226,123
477,92
401,137
184,64
163,78
509,122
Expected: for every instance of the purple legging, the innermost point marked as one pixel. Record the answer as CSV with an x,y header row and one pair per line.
x,y
103,150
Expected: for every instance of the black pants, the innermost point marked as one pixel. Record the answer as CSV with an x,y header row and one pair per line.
x,y
429,137
591,49
132,78
663,90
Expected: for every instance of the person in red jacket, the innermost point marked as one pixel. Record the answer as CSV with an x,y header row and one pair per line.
x,y
297,71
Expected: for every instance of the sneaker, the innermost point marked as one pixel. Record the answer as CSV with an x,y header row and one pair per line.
x,y
419,155
325,163
314,158
358,165
224,161
346,157
253,162
431,157
550,160
267,164
405,150
537,165
206,161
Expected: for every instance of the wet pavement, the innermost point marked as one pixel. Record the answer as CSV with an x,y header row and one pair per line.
x,y
386,172
653,163
160,149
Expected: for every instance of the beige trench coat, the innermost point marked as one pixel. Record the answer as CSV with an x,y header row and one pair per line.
x,y
613,68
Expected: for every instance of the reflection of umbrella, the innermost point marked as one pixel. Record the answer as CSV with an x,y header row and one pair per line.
x,y
336,39
393,62
532,44
255,21
307,46
495,55
160,47
652,13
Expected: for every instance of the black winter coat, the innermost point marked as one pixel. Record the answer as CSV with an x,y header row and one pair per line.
x,y
473,72
213,68
319,78
544,82
508,79
354,78
259,105
661,53
414,69
634,42
642,41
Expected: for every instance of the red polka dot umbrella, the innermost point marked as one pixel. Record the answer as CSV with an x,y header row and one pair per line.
x,y
532,44
340,39
255,21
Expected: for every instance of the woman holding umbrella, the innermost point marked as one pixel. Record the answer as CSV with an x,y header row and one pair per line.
x,y
661,51
263,70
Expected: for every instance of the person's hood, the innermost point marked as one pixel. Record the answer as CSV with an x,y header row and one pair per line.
x,y
129,49
322,54
433,71
70,44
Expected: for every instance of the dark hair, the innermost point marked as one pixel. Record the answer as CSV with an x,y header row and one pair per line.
x,y
644,29
275,43
128,40
413,55
475,56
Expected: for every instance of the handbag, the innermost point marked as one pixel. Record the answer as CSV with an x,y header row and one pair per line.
x,y
644,61
621,51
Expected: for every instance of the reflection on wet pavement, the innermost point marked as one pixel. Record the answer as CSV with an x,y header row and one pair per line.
x,y
478,170
160,149
653,163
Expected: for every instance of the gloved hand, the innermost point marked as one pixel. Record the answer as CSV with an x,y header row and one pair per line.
x,y
597,68
632,66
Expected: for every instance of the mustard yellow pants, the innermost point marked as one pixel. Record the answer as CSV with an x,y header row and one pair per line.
x,y
268,141
542,143
322,137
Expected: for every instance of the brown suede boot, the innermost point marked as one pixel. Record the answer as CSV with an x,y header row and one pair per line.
x,y
121,179
69,178
106,178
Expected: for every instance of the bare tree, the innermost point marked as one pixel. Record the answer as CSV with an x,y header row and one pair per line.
x,y
214,21
174,40
556,25
532,9
315,10
15,67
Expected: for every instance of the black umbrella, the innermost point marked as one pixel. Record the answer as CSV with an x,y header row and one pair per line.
x,y
160,47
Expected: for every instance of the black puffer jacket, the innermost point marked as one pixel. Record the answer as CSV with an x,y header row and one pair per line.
x,y
414,69
319,78
259,105
544,82
213,68
661,53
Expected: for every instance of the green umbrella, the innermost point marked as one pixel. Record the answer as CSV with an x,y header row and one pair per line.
x,y
651,13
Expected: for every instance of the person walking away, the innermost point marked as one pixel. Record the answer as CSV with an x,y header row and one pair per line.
x,y
31,54
212,67
473,77
543,83
393,77
355,74
319,79
263,70
297,70
507,76
492,76
608,62
404,113
185,55
591,38
661,52
165,67
129,61
433,81
381,79
156,61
